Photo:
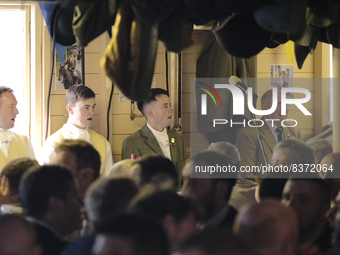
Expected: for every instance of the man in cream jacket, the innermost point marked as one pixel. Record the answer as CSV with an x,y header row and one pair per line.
x,y
12,145
80,103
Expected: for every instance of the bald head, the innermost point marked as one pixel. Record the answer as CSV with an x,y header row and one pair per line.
x,y
17,236
268,227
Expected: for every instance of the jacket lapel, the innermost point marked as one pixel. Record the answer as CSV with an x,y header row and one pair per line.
x,y
151,140
172,142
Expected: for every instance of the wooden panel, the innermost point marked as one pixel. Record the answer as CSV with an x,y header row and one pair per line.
x,y
188,101
91,63
123,125
117,158
159,81
160,47
56,122
160,63
199,38
189,62
117,142
58,105
120,107
92,47
187,87
189,123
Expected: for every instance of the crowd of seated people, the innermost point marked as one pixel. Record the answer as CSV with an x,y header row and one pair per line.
x,y
76,202
143,206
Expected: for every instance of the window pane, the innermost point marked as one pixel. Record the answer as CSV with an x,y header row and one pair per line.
x,y
13,60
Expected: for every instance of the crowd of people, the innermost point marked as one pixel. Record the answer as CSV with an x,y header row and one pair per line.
x,y
76,201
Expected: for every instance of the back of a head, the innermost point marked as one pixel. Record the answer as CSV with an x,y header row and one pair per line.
x,y
108,197
38,185
86,155
213,242
321,148
78,93
151,97
121,168
268,228
17,236
271,187
146,237
158,170
159,204
300,151
213,159
227,149
323,191
15,169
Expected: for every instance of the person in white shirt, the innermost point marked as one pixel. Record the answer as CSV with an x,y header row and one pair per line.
x,y
154,137
12,145
80,103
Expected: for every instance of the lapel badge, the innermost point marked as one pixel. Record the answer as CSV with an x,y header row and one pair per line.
x,y
173,143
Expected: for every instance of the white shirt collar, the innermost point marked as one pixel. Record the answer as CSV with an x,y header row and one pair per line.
x,y
162,139
6,135
78,133
161,136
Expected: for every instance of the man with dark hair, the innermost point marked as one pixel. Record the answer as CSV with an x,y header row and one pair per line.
x,y
12,145
80,104
13,171
106,198
50,201
155,169
309,197
211,189
154,138
82,159
109,197
130,235
17,236
176,214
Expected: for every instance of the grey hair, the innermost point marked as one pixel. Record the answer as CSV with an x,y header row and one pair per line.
x,y
302,153
4,89
321,148
227,149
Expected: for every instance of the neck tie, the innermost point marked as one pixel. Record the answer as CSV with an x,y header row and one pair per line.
x,y
279,132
